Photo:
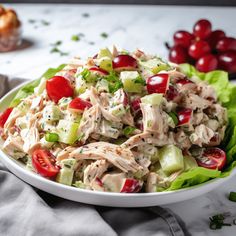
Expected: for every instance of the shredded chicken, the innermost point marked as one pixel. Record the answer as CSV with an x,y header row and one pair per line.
x,y
153,119
90,122
122,158
93,172
202,135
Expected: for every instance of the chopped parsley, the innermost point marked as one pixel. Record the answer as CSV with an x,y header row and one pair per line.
x,y
114,82
128,130
140,80
217,221
174,117
104,35
57,43
232,196
57,50
85,74
75,38
44,22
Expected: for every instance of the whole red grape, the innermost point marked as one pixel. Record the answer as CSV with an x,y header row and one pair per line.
x,y
183,38
214,37
178,54
226,44
202,29
207,63
198,49
227,61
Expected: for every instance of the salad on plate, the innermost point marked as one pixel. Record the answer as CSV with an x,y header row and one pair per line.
x,y
124,122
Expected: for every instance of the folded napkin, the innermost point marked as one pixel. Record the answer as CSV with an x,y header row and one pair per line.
x,y
25,210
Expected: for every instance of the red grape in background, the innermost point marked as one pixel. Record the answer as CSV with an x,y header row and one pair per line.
x,y
207,63
202,29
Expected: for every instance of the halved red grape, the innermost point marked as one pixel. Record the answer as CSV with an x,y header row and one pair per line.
x,y
124,62
198,49
202,29
214,37
178,54
184,116
171,93
79,104
184,81
183,38
158,83
131,186
207,63
226,44
98,70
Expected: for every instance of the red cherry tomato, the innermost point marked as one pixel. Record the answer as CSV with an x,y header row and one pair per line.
x,y
124,62
183,38
226,44
58,87
131,186
212,158
98,70
178,54
199,49
202,29
44,163
227,61
4,116
79,104
184,116
158,83
214,37
207,63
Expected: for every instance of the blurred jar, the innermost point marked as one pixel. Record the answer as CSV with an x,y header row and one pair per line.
x,y
10,30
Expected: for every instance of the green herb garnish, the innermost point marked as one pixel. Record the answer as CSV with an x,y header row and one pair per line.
x,y
85,74
57,43
104,35
75,38
140,80
232,196
114,82
217,221
57,50
51,137
128,130
174,117
31,21
44,22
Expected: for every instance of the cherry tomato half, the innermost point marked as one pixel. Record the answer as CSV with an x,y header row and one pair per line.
x,y
4,116
212,158
79,104
58,87
44,163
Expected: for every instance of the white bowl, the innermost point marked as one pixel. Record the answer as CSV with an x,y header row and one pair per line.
x,y
102,198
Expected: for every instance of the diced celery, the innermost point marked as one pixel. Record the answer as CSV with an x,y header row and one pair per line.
x,y
152,99
171,159
105,63
118,110
129,80
104,52
189,163
24,107
52,113
67,131
64,102
81,85
66,173
102,86
155,65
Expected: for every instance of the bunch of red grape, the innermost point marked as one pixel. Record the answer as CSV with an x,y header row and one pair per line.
x,y
206,49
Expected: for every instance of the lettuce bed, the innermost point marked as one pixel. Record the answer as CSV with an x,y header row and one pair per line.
x,y
226,93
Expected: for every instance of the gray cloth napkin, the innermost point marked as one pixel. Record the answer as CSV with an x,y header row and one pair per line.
x,y
26,211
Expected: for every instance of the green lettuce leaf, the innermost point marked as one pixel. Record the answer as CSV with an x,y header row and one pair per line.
x,y
29,88
226,93
193,177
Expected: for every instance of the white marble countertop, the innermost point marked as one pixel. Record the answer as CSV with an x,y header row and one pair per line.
x,y
130,27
